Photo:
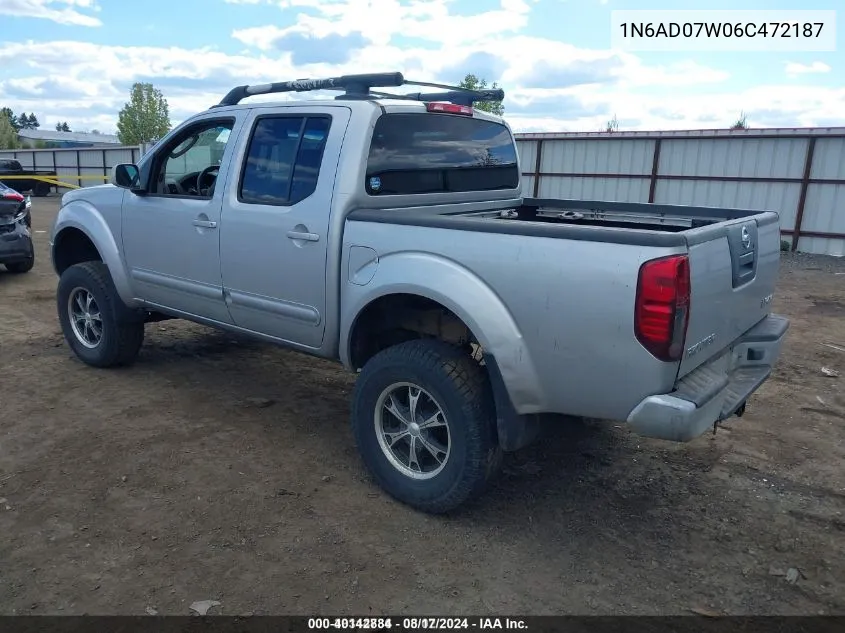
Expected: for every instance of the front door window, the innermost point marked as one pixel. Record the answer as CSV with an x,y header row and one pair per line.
x,y
190,163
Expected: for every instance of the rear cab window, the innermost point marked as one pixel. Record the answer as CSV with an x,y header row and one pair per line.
x,y
414,153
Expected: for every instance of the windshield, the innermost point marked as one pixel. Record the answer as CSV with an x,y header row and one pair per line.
x,y
214,138
415,153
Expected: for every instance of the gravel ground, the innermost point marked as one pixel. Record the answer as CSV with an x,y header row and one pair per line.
x,y
162,484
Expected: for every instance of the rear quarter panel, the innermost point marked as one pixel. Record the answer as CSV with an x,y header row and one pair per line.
x,y
556,313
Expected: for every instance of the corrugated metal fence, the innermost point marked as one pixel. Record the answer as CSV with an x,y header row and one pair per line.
x,y
799,173
85,167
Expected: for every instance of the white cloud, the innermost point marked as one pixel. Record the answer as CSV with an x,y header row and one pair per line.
x,y
70,12
805,69
382,20
87,84
550,85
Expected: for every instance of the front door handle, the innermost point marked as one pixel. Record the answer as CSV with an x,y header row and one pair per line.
x,y
206,224
301,235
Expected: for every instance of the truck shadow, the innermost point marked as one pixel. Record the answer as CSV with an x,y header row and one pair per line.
x,y
165,344
594,481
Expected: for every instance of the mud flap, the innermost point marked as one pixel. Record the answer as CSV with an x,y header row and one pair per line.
x,y
515,431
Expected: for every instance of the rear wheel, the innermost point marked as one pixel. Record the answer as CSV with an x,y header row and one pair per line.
x,y
424,423
97,325
41,189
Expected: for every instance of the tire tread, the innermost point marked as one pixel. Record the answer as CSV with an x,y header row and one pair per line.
x,y
128,330
470,382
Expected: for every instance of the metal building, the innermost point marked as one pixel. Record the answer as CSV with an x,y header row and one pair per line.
x,y
56,139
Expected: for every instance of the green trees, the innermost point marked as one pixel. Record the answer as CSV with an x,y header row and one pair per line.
x,y
22,121
145,117
8,133
28,122
472,82
741,123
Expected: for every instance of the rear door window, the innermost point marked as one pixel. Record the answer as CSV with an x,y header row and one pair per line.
x,y
283,159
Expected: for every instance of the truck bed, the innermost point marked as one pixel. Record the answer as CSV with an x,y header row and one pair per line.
x,y
634,223
573,288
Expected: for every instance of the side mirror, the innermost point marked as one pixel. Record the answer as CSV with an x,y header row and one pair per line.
x,y
126,175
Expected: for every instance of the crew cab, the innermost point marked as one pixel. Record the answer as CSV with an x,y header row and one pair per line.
x,y
389,232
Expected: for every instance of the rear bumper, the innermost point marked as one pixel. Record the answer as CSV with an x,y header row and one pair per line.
x,y
714,391
15,245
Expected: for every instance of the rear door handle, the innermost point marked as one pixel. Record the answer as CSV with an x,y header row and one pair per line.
x,y
206,224
299,235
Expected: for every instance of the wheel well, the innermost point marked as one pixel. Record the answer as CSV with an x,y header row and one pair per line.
x,y
73,247
396,318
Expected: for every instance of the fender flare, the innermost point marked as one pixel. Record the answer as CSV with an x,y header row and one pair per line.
x,y
473,301
84,217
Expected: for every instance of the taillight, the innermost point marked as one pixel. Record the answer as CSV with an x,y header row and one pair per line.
x,y
662,306
448,108
14,196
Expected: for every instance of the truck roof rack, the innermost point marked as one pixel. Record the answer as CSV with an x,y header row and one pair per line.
x,y
360,87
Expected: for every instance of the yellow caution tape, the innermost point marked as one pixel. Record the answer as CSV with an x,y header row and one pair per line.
x,y
59,183
68,176
54,180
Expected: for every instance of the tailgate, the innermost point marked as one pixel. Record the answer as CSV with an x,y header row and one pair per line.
x,y
733,272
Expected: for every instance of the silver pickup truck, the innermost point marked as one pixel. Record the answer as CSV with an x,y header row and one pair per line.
x,y
389,232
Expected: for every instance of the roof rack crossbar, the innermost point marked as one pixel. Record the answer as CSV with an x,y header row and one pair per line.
x,y
360,87
351,83
458,97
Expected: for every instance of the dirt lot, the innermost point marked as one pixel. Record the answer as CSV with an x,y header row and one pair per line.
x,y
161,484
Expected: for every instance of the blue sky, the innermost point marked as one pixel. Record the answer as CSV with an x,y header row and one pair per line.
x,y
75,60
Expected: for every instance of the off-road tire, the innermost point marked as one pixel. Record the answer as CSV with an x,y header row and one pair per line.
x,y
122,328
462,391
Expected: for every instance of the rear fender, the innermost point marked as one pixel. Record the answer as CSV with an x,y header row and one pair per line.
x,y
470,299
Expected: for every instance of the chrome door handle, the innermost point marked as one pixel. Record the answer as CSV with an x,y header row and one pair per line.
x,y
207,224
299,235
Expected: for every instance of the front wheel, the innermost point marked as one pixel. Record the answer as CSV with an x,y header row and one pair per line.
x,y
424,422
97,325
